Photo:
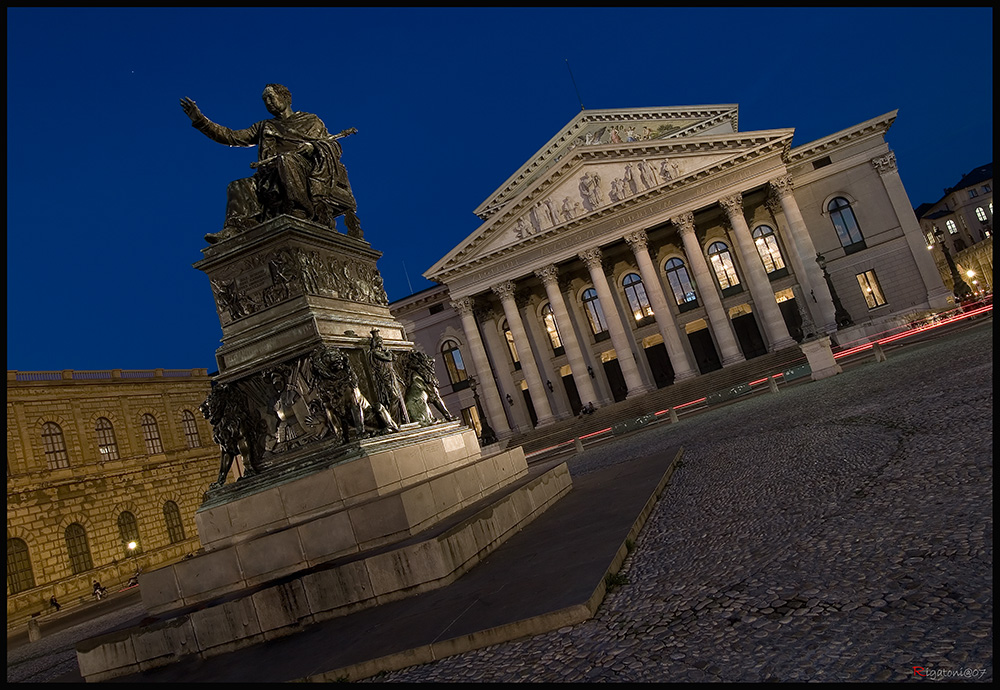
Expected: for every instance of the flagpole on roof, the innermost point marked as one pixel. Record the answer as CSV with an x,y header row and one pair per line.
x,y
574,84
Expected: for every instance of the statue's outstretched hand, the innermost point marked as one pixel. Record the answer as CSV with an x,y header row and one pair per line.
x,y
191,109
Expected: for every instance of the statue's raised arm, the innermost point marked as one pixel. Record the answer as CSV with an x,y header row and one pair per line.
x,y
297,173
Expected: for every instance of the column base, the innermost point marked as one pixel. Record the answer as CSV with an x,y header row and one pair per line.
x,y
733,359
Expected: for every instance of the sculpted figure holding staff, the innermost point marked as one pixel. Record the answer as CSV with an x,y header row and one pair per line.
x,y
298,170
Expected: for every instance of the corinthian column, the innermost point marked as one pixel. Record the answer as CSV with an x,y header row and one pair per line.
x,y
574,355
619,339
802,244
481,361
760,287
717,316
937,293
536,389
683,369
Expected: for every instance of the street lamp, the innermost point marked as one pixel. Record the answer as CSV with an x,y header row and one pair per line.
x,y
962,290
841,315
488,436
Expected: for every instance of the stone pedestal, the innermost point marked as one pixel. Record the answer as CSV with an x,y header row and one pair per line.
x,y
820,357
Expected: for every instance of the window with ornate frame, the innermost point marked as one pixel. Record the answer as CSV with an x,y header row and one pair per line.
x,y
871,289
681,284
151,434
54,444
595,314
552,329
128,530
19,574
191,434
453,362
725,269
80,560
766,241
638,302
172,518
107,444
846,224
981,214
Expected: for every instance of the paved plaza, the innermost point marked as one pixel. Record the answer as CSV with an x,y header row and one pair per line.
x,y
838,530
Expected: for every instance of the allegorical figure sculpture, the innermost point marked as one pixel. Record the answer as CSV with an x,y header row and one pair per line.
x,y
388,388
235,427
422,390
339,401
298,170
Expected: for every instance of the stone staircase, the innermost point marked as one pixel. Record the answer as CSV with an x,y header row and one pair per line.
x,y
662,399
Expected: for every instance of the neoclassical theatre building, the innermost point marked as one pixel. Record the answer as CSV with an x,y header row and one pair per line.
x,y
642,247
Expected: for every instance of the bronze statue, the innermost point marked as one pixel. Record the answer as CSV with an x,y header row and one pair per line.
x,y
235,427
386,383
422,390
298,170
339,401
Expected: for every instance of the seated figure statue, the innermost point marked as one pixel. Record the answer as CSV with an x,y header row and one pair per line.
x,y
298,170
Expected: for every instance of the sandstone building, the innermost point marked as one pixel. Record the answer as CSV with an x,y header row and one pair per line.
x,y
95,460
641,247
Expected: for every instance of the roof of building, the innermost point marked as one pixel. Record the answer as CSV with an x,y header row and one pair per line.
x,y
971,179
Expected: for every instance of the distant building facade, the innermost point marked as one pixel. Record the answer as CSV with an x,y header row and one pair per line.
x,y
645,246
96,460
962,221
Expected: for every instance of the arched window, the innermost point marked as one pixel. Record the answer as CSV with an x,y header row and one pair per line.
x,y
128,529
680,284
722,264
767,246
107,444
952,227
190,429
509,337
172,516
151,434
19,575
549,318
636,294
78,549
453,362
848,230
594,312
980,214
55,446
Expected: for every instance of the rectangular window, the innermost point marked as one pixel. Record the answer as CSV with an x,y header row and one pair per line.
x,y
986,189
871,289
972,194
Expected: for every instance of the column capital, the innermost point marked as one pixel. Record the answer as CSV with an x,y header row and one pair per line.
x,y
773,204
464,305
638,240
781,186
591,257
505,290
732,204
548,274
522,297
685,222
884,164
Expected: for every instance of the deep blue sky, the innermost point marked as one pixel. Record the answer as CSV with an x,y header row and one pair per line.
x,y
110,190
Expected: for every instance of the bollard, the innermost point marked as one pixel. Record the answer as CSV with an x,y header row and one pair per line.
x,y
879,352
772,384
673,415
34,630
578,444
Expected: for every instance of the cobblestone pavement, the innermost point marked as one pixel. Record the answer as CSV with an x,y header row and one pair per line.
x,y
840,530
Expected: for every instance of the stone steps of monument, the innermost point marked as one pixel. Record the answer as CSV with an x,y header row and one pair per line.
x,y
676,394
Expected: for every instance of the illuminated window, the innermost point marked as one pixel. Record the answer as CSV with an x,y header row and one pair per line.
x,y
636,294
595,315
172,518
981,214
509,337
128,530
107,444
151,434
848,231
19,575
78,549
190,429
952,228
680,284
552,329
767,246
453,362
871,289
722,264
55,446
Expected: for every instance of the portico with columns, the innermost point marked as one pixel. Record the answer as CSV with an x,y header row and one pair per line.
x,y
612,266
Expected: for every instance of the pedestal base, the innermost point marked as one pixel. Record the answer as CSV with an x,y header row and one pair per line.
x,y
820,357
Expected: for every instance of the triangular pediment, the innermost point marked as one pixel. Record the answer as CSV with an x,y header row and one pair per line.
x,y
594,181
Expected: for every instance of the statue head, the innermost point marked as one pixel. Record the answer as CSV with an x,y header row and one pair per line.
x,y
277,98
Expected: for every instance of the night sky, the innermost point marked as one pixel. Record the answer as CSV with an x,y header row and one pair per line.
x,y
110,190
